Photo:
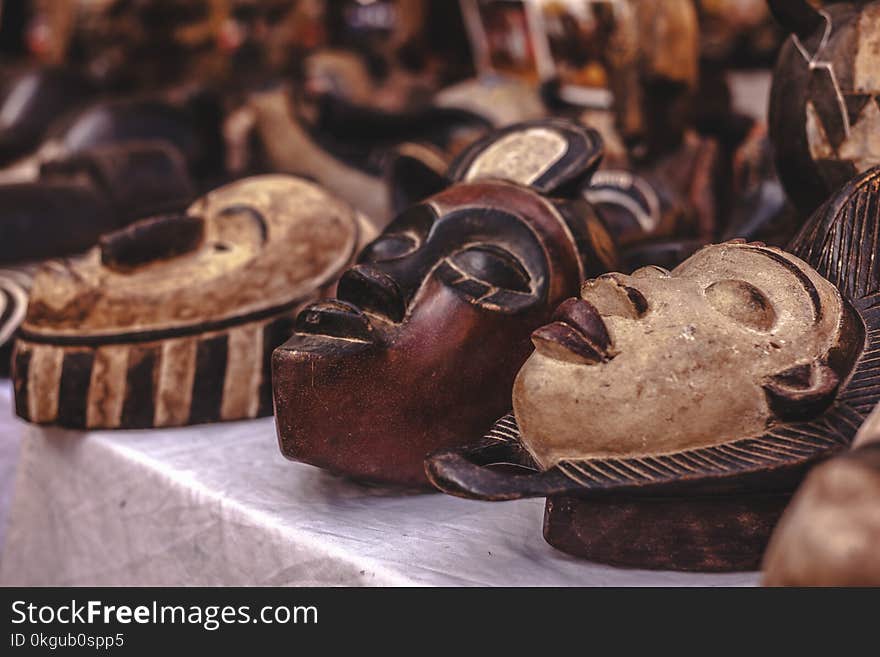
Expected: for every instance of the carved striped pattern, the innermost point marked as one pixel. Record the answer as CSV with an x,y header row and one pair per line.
x,y
505,430
784,445
841,239
862,392
211,377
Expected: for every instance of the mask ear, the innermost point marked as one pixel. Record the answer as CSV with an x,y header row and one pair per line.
x,y
414,172
801,392
797,16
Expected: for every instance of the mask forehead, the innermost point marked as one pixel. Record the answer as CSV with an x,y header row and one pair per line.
x,y
286,204
803,301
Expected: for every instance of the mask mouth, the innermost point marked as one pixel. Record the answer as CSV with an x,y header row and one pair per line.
x,y
333,318
576,334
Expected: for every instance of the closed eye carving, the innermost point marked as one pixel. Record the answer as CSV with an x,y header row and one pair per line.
x,y
742,302
494,267
390,247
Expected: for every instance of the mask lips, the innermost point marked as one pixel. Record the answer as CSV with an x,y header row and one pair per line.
x,y
578,334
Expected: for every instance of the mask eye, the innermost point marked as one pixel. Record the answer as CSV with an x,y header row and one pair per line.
x,y
389,247
493,266
742,302
402,237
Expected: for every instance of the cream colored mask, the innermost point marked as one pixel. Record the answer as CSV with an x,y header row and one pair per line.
x,y
171,321
735,339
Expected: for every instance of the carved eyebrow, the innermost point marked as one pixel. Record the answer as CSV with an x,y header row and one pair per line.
x,y
808,285
256,215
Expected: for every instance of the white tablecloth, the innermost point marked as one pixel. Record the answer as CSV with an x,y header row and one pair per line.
x,y
10,439
218,505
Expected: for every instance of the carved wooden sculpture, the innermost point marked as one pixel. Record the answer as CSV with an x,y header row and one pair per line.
x,y
656,214
830,534
659,213
349,155
824,109
97,190
421,345
642,56
669,415
172,320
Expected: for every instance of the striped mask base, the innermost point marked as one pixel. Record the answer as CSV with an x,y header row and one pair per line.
x,y
209,377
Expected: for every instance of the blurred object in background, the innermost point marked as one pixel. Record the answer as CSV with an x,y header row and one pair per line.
x,y
50,27
628,69
350,160
739,39
14,16
30,101
824,109
673,199
128,44
637,59
503,37
830,532
392,55
261,37
143,45
192,125
334,90
759,210
738,33
77,198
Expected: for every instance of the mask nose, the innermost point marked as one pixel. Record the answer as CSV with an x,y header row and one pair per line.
x,y
372,290
612,295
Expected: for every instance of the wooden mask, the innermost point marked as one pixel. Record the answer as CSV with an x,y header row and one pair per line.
x,y
824,112
172,320
421,345
687,405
